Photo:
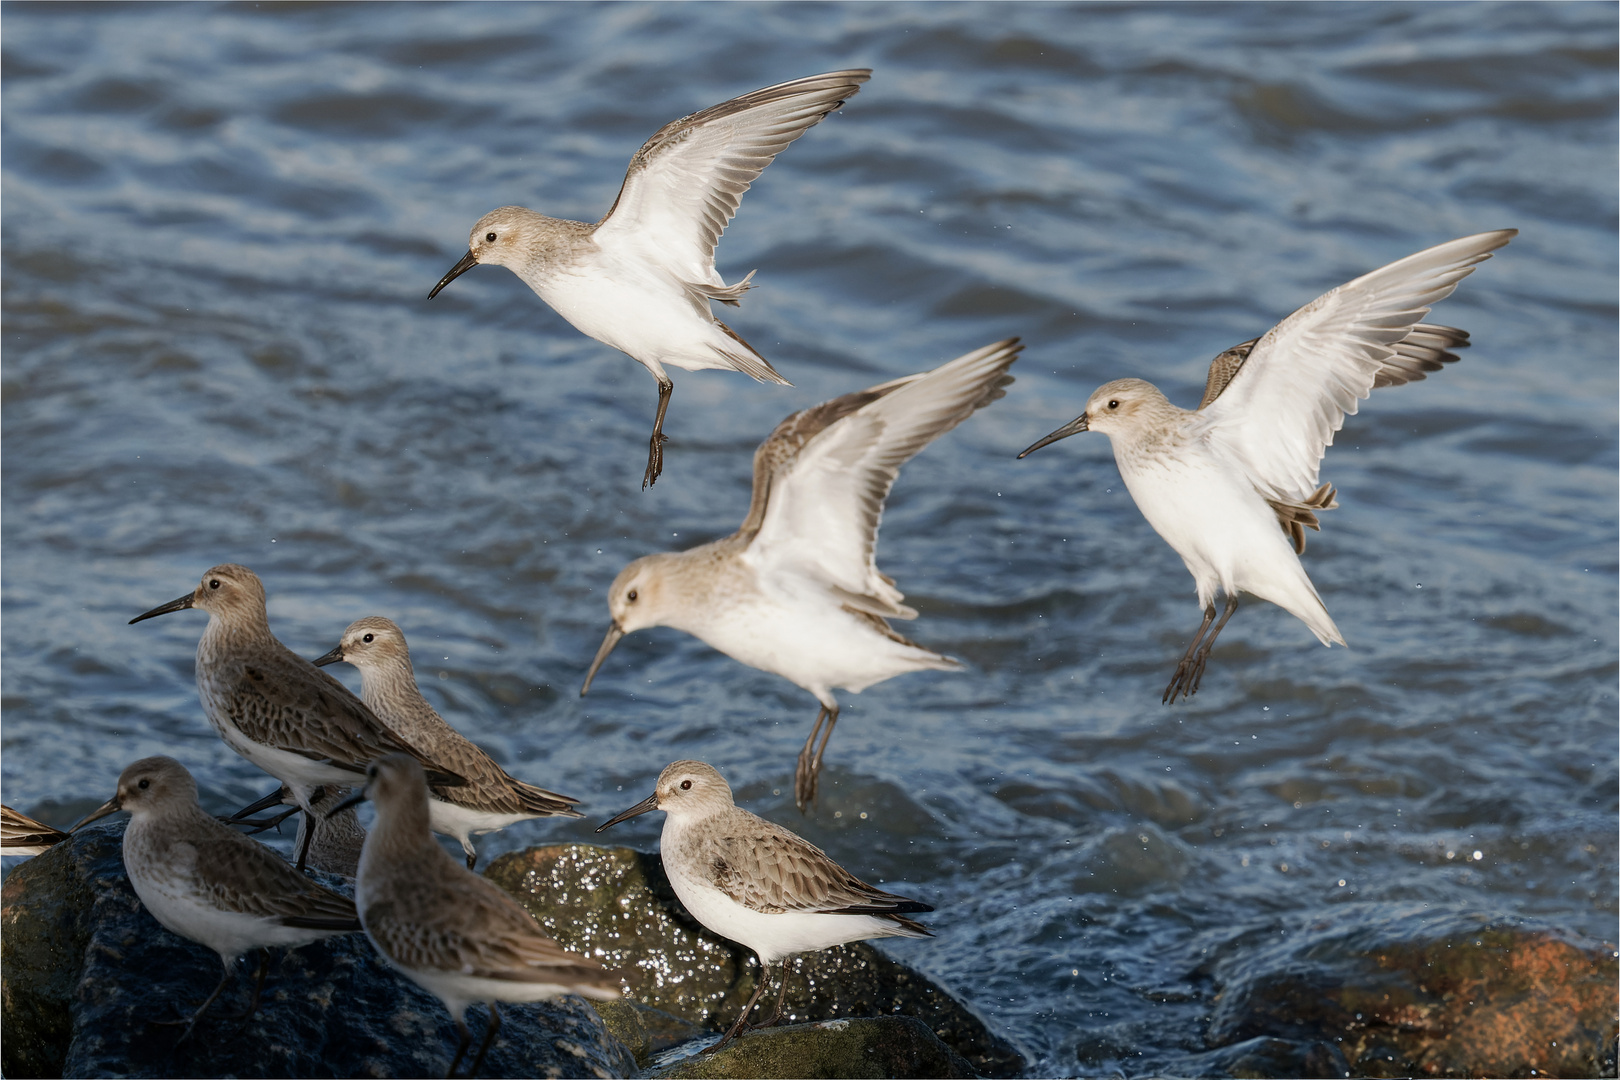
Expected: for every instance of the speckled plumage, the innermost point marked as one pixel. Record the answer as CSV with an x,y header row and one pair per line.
x,y
491,798
269,704
759,884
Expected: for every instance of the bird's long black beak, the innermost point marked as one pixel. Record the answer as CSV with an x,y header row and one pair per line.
x,y
468,261
111,806
333,657
645,806
271,800
611,639
163,609
1073,427
353,800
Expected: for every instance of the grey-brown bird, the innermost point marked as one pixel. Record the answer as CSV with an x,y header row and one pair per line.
x,y
210,884
458,936
491,798
272,706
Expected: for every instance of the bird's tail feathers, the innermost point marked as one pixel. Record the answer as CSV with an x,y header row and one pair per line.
x,y
746,359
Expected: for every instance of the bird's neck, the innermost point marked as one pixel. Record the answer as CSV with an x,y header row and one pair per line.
x,y
394,696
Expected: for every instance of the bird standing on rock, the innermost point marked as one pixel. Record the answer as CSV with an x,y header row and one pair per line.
x,y
796,589
210,884
272,706
456,935
1218,482
491,798
756,883
642,278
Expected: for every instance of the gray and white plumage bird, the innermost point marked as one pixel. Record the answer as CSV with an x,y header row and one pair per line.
x,y
210,884
272,706
1232,485
758,884
458,936
796,590
490,798
642,279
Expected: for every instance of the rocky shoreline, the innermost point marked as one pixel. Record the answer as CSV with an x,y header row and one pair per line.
x,y
86,970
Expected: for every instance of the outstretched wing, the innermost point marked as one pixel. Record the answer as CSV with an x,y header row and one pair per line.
x,y
685,183
821,478
1282,405
1425,350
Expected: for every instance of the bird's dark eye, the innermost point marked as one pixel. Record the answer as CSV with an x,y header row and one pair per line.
x,y
686,785
631,596
144,784
1113,404
368,638
214,584
489,238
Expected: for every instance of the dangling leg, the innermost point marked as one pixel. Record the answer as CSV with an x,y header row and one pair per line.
x,y
470,851
1209,643
489,1037
781,996
461,1047
742,1019
1177,680
808,774
655,448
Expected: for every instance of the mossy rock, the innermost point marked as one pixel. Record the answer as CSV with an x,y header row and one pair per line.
x,y
874,1047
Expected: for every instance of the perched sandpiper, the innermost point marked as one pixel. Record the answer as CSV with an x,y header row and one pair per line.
x,y
756,883
456,935
332,841
491,798
642,278
272,706
796,590
208,883
1216,482
22,835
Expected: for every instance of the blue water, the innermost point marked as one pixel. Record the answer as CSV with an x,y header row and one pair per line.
x,y
220,227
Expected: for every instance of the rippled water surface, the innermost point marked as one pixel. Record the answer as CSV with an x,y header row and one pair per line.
x,y
220,227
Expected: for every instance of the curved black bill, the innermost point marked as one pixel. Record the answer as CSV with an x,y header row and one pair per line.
x,y
602,650
163,609
269,802
645,806
111,806
333,657
353,800
468,261
1073,427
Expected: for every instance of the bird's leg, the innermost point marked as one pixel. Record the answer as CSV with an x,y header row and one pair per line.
x,y
258,988
191,1021
781,996
1179,678
461,1047
742,1019
1209,643
310,821
807,776
489,1038
655,448
471,852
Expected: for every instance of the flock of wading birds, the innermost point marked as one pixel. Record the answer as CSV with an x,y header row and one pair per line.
x,y
1231,485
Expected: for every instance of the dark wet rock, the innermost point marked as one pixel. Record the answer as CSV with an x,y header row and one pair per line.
x,y
85,967
617,904
880,1046
1425,996
645,1030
